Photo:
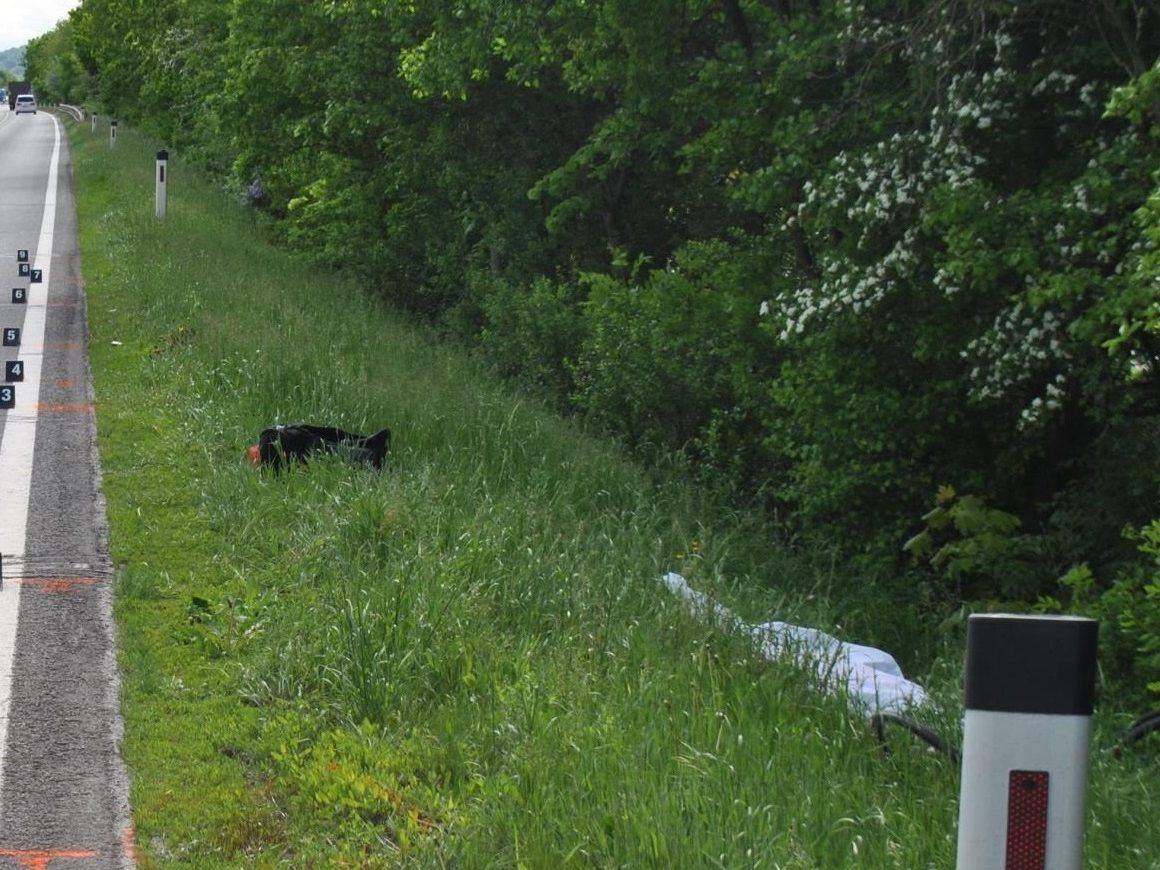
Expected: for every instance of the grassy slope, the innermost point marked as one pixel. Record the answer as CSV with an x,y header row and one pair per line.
x,y
467,659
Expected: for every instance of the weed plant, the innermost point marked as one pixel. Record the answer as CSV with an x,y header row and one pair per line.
x,y
467,659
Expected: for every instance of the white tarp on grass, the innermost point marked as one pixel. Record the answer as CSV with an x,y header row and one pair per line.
x,y
871,679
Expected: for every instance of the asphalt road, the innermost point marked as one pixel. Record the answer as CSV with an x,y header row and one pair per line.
x,y
63,787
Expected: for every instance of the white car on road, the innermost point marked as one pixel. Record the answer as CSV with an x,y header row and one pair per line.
x,y
25,103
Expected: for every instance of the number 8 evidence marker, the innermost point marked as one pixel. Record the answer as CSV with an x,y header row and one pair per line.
x,y
1030,689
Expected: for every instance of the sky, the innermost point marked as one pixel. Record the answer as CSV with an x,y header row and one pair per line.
x,y
35,18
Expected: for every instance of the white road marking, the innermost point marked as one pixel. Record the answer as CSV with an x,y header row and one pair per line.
x,y
17,448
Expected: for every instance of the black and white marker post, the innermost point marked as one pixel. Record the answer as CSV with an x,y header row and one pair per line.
x,y
162,196
1030,690
112,132
93,122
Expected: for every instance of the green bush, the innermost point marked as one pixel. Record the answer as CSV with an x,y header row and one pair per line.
x,y
676,358
532,333
1128,609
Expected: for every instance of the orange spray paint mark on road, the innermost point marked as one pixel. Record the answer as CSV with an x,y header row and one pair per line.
x,y
55,584
39,859
129,843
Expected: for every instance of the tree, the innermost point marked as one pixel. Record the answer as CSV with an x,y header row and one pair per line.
x,y
54,69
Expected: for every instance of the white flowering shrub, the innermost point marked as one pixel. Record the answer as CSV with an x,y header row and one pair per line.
x,y
969,252
928,208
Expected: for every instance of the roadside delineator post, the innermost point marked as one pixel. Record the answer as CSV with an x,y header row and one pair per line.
x,y
93,122
161,197
112,132
1030,691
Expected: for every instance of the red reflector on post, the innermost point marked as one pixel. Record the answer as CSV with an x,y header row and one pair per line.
x,y
1027,820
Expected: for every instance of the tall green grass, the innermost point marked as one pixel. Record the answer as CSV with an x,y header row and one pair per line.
x,y
468,659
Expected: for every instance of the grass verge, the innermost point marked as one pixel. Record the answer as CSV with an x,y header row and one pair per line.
x,y
468,659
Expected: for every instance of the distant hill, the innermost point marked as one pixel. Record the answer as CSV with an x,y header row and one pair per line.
x,y
12,59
